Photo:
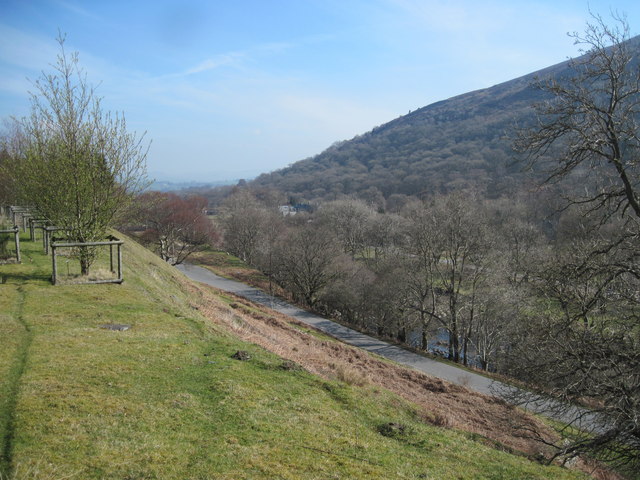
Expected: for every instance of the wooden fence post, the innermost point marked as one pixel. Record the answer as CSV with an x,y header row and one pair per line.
x,y
16,235
16,238
54,275
120,262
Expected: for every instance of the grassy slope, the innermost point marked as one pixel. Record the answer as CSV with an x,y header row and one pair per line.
x,y
166,400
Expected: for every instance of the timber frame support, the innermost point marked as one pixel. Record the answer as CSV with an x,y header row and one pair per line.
x,y
111,243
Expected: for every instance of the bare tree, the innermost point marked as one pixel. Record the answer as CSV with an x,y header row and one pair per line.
x,y
349,219
387,307
348,296
383,236
421,282
583,342
175,226
244,220
447,256
581,345
590,123
306,260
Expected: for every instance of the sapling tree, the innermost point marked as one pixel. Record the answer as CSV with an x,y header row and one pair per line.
x,y
78,165
11,141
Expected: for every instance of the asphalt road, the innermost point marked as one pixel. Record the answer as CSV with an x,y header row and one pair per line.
x,y
427,365
444,371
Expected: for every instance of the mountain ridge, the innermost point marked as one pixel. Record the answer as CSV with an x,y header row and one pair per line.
x,y
461,142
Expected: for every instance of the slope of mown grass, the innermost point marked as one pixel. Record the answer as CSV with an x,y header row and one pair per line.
x,y
165,399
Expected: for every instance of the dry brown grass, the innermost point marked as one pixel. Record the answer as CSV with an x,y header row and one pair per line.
x,y
442,403
351,376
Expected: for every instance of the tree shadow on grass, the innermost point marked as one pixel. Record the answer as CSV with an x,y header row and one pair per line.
x,y
22,278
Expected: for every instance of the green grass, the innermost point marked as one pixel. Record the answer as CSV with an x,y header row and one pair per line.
x,y
165,400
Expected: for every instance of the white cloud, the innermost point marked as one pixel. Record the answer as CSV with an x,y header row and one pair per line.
x,y
213,63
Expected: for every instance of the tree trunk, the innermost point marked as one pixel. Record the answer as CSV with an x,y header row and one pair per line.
x,y
454,341
425,339
402,333
85,260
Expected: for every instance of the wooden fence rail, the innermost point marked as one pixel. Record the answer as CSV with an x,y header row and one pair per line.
x,y
34,223
14,211
110,243
16,235
46,238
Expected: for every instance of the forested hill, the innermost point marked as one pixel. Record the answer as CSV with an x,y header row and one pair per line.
x,y
464,141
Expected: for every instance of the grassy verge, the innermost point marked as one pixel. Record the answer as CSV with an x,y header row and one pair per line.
x,y
165,399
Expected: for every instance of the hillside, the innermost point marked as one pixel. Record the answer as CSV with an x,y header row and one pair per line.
x,y
456,143
166,399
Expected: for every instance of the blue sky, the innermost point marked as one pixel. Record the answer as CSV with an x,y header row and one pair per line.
x,y
230,89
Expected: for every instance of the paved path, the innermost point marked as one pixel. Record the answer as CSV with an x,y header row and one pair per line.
x,y
429,366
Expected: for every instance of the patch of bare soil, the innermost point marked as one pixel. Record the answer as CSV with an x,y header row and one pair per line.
x,y
441,403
